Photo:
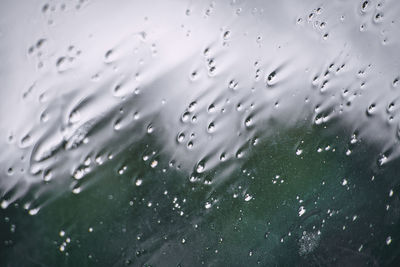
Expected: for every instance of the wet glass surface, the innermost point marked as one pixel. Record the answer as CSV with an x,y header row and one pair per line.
x,y
199,133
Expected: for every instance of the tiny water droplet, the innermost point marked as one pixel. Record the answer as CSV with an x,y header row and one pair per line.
x,y
154,163
139,182
226,35
302,210
211,108
248,197
4,204
299,152
233,85
33,212
200,167
270,78
395,82
211,127
181,137
150,129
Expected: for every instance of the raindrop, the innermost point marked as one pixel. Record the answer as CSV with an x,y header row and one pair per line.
x,y
190,144
378,17
364,6
302,210
33,212
226,35
211,108
233,84
248,122
270,78
138,182
200,167
150,129
108,55
192,106
154,163
181,137
4,204
60,64
117,125
395,82
248,197
47,175
382,160
211,127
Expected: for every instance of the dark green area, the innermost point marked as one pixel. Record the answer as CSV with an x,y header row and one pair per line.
x,y
233,232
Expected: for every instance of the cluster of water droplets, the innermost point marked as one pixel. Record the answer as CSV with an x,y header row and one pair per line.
x,y
197,92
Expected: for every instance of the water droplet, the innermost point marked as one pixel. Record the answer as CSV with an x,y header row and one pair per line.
x,y
47,175
108,55
200,167
226,35
382,160
248,122
222,157
378,17
79,173
185,116
150,129
76,190
271,78
4,204
248,197
395,82
117,125
233,85
33,212
122,170
211,127
302,210
192,106
139,182
364,6
181,137
154,163
190,144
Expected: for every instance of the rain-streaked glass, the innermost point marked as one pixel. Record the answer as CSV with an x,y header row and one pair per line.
x,y
199,133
